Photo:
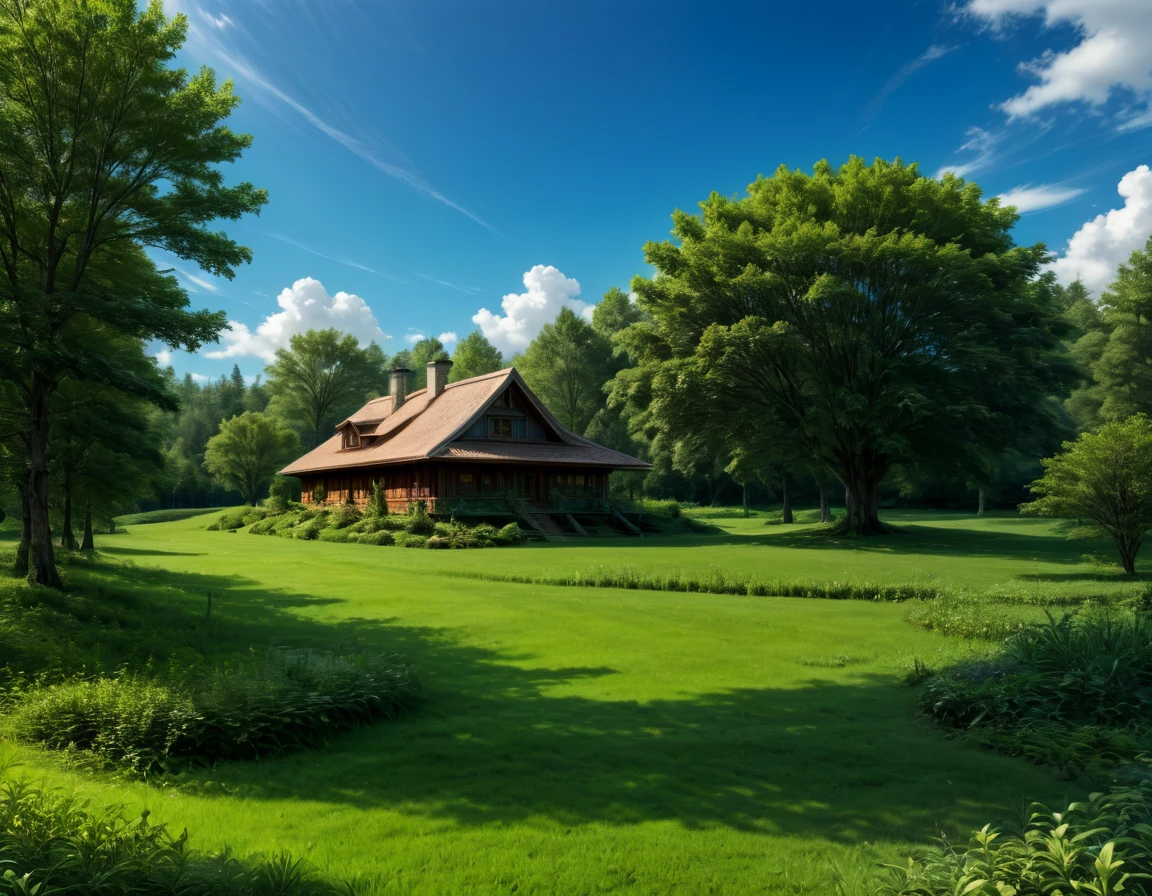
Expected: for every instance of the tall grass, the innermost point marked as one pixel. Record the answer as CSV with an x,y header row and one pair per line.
x,y
282,701
54,842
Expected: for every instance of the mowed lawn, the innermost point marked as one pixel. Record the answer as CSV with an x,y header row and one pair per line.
x,y
577,740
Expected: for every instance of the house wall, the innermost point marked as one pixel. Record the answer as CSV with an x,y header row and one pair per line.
x,y
438,482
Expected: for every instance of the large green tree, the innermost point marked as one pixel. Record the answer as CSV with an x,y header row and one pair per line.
x,y
321,378
105,149
427,349
879,316
567,365
248,451
474,356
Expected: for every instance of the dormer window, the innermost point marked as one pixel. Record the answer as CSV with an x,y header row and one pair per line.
x,y
351,437
500,427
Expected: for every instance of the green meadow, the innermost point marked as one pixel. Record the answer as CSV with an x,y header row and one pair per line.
x,y
598,740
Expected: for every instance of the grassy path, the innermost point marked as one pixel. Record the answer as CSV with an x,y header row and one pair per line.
x,y
597,740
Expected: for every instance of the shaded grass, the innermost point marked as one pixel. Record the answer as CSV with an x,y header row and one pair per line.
x,y
163,516
575,740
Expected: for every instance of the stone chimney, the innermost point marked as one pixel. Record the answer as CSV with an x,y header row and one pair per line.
x,y
437,377
399,387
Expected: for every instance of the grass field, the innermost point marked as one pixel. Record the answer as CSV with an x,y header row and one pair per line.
x,y
579,740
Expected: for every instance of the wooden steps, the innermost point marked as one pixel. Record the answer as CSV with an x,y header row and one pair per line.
x,y
546,525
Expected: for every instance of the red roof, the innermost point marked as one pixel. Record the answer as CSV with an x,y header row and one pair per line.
x,y
427,429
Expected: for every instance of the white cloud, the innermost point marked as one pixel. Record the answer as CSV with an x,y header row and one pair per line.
x,y
219,22
470,290
1098,248
448,338
194,280
199,378
1030,199
305,305
525,313
413,337
979,141
163,357
1114,51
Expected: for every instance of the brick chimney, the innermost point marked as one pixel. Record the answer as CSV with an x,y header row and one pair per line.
x,y
437,377
399,387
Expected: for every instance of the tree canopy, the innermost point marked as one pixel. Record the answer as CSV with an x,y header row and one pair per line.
x,y
876,315
105,149
248,451
474,356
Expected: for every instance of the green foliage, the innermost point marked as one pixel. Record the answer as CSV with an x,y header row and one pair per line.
x,y
376,538
319,494
566,365
163,516
1075,692
963,615
772,318
54,842
419,521
427,349
1104,477
378,502
474,356
248,451
228,522
1099,846
338,536
321,378
410,540
284,700
343,516
511,534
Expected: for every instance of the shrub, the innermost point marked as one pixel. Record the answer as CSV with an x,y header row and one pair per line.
x,y
378,502
310,531
342,516
319,494
376,538
963,615
438,542
511,534
419,522
1100,845
1055,690
339,536
54,842
228,521
410,540
255,515
285,700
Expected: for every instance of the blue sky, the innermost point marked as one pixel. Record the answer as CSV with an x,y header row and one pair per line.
x,y
426,160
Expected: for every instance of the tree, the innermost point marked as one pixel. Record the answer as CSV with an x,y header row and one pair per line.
x,y
880,316
1123,369
321,378
427,349
567,365
248,451
474,356
104,150
1106,477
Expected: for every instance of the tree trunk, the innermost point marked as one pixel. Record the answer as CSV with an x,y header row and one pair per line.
x,y
67,536
1128,547
42,559
20,567
787,512
980,502
745,498
825,512
88,544
862,502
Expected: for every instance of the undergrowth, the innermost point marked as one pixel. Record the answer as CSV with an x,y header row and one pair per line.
x,y
55,842
1099,846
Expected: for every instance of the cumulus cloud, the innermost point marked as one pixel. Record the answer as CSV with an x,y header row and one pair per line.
x,y
1098,248
199,378
448,338
413,337
547,292
305,305
163,357
1030,199
1114,52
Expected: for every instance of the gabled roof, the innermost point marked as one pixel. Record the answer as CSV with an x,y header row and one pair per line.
x,y
426,429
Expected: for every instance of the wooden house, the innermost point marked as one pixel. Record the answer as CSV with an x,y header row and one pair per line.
x,y
485,446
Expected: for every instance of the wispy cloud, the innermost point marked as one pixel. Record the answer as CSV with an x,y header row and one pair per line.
x,y
195,283
468,290
981,142
934,52
209,40
336,258
1031,199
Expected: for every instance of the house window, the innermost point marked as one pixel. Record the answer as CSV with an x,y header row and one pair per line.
x,y
465,483
500,427
351,437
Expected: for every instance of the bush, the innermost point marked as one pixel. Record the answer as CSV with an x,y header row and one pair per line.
x,y
255,515
1101,845
343,515
285,700
339,536
54,842
228,521
437,542
378,502
409,540
1075,692
964,616
310,531
511,534
419,522
376,538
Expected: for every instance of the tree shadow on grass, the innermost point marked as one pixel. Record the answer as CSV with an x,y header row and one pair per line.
x,y
500,740
118,551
